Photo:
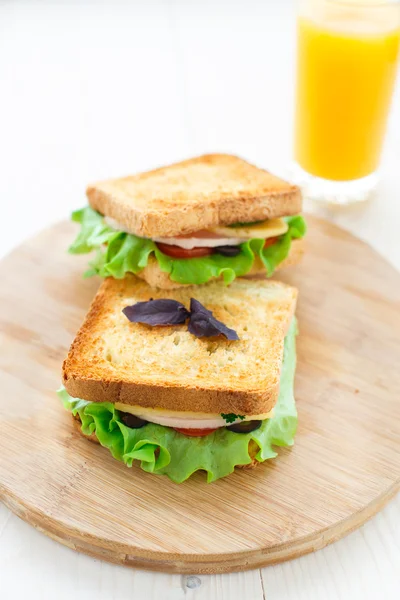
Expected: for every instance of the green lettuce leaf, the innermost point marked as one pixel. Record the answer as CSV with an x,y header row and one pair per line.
x,y
94,232
162,450
125,252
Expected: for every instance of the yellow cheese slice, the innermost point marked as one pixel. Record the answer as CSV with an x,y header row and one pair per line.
x,y
171,418
263,230
134,410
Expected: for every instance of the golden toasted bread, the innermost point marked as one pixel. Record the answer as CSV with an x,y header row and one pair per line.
x,y
203,192
114,360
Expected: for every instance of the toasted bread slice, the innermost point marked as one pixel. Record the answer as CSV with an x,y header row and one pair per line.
x,y
114,360
203,192
153,275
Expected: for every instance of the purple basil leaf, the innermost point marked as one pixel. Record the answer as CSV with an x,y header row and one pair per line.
x,y
197,307
203,324
157,312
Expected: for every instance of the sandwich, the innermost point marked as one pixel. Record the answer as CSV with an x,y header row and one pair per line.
x,y
186,380
207,218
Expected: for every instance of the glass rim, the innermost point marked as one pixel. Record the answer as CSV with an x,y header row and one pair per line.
x,y
365,3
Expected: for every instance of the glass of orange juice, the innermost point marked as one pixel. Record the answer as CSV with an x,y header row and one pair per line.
x,y
347,55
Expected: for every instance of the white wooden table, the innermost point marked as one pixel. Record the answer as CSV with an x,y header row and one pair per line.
x,y
98,89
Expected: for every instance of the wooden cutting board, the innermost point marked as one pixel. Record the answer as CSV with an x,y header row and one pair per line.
x,y
344,466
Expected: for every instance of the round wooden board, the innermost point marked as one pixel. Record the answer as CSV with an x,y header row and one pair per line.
x,y
344,466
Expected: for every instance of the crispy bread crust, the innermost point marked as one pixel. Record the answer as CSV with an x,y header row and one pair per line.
x,y
183,398
88,375
199,193
156,278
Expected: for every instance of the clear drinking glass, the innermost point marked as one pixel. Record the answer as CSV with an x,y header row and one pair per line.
x,y
347,54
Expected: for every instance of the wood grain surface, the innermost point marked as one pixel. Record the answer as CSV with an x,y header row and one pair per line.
x,y
344,466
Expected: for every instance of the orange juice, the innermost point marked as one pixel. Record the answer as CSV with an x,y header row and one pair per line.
x,y
346,71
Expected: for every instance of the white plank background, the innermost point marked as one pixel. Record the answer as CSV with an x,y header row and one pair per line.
x,y
96,89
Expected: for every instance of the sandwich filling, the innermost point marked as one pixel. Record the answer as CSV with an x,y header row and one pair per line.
x,y
178,452
195,258
187,419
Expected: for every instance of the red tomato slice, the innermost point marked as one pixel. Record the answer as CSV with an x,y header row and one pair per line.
x,y
178,252
195,432
270,241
